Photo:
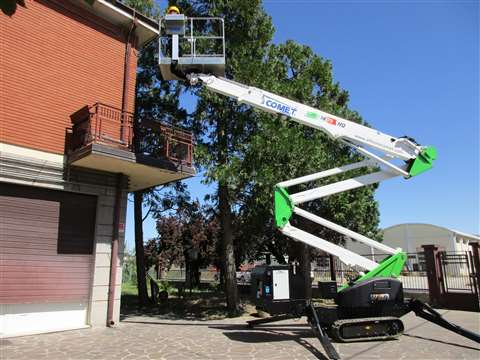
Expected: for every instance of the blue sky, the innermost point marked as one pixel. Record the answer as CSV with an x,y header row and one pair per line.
x,y
411,68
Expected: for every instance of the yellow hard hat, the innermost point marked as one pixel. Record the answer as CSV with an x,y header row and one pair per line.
x,y
173,9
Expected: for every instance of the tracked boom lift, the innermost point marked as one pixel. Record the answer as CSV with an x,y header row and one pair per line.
x,y
369,307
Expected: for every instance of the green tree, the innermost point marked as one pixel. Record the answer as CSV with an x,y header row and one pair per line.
x,y
246,152
188,237
222,126
158,102
9,7
129,272
281,150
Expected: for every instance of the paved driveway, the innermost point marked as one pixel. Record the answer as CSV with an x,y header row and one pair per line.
x,y
143,337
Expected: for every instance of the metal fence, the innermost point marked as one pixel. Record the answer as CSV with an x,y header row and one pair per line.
x,y
456,270
413,276
206,276
165,141
455,267
101,123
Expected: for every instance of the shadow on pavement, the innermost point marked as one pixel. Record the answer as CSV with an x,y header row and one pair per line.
x,y
266,335
242,333
298,329
441,341
193,323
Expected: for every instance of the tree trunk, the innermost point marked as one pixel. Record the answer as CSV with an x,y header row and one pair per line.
x,y
139,250
300,254
274,250
228,252
188,273
221,271
228,255
306,268
196,275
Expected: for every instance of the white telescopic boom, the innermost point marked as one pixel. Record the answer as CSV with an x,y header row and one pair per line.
x,y
351,133
378,148
336,127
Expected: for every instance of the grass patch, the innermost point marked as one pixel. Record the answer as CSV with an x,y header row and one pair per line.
x,y
129,289
199,304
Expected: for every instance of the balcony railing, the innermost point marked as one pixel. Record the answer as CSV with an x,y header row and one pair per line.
x,y
106,125
163,141
102,124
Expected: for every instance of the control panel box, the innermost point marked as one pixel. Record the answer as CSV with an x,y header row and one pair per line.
x,y
277,289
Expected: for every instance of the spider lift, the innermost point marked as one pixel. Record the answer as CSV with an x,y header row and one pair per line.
x,y
369,307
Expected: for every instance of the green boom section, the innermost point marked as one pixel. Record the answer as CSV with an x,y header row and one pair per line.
x,y
390,267
283,207
424,161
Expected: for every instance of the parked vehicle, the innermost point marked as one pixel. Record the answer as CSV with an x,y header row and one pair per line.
x,y
243,276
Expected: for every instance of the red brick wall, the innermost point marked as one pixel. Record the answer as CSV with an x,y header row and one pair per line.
x,y
56,58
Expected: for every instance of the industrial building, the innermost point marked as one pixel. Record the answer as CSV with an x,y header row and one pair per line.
x,y
411,236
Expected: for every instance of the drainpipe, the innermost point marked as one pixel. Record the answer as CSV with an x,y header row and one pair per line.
x,y
126,71
121,181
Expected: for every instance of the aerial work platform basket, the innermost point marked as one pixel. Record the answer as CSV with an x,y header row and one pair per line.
x,y
191,45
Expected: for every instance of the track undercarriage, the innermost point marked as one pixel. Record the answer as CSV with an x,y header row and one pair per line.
x,y
367,311
365,329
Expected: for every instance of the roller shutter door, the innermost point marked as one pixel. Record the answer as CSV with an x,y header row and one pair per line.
x,y
46,243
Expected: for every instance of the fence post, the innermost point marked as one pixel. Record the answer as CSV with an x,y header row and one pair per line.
x,y
476,264
333,271
433,273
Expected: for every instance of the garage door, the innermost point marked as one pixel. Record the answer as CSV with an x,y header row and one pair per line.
x,y
46,243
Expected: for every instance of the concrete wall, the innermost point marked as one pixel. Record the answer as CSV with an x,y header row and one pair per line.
x,y
37,168
101,276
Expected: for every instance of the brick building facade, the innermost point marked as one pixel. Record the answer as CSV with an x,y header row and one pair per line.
x,y
67,160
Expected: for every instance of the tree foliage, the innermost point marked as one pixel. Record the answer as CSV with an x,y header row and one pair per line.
x,y
246,152
249,151
9,7
188,237
155,102
222,126
249,31
281,150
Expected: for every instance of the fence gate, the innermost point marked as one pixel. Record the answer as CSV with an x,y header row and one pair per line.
x,y
458,284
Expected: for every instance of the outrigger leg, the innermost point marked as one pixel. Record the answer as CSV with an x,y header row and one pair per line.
x,y
320,333
314,323
252,323
426,312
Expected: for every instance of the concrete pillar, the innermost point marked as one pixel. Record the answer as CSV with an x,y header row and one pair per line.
x,y
101,273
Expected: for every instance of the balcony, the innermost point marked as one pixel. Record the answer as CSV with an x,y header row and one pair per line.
x,y
102,139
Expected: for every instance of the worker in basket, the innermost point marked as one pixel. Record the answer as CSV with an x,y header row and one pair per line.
x,y
173,10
